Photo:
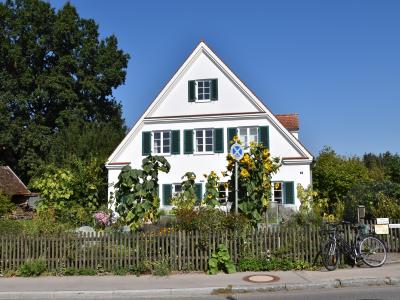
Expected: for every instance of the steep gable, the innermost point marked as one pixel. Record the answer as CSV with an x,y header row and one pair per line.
x,y
234,98
231,98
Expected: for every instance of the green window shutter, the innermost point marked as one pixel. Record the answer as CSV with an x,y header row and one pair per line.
x,y
188,141
263,133
289,192
214,89
219,140
191,90
231,133
146,143
167,194
176,142
198,187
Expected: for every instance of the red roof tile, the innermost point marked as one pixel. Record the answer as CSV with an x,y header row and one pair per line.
x,y
290,121
10,184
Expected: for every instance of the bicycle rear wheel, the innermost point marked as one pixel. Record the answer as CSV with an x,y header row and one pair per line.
x,y
330,255
373,251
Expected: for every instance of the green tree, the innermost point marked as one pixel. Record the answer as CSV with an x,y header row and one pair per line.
x,y
56,75
334,176
74,192
378,197
386,165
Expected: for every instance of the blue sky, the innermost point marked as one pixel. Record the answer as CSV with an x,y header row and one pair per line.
x,y
336,63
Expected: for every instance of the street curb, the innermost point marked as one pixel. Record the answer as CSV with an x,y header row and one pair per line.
x,y
163,293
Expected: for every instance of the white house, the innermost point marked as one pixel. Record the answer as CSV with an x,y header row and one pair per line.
x,y
192,121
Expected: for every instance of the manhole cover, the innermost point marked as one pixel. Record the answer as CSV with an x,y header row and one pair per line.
x,y
262,278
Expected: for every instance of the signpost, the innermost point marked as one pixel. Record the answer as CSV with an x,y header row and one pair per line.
x,y
237,153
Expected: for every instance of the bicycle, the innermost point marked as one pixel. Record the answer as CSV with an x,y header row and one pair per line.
x,y
365,247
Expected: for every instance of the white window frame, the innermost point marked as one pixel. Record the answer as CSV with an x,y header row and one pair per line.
x,y
246,143
225,191
162,132
282,198
204,138
203,90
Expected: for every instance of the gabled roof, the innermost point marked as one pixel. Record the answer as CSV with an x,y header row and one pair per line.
x,y
10,183
262,108
290,121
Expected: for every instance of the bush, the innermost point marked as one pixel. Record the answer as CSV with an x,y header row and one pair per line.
x,y
6,206
120,271
10,227
208,219
87,272
44,224
34,267
161,268
382,194
257,264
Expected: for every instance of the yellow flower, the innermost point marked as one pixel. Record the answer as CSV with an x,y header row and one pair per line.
x,y
252,144
235,139
244,173
265,153
209,196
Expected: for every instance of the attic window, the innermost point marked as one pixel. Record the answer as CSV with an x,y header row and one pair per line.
x,y
203,90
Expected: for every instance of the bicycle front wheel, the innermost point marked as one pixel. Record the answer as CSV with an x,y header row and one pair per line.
x,y
373,251
330,255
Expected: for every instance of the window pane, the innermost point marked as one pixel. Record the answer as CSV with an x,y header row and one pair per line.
x,y
157,135
209,133
199,141
199,148
209,141
201,97
157,146
201,84
199,133
166,142
209,148
178,188
253,135
221,192
207,83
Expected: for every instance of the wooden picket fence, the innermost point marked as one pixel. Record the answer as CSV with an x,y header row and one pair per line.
x,y
185,251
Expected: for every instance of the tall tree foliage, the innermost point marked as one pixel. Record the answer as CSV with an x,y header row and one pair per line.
x,y
334,176
57,76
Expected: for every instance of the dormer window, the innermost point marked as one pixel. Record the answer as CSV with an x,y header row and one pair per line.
x,y
203,90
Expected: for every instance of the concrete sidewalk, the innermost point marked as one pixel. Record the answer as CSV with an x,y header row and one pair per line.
x,y
95,287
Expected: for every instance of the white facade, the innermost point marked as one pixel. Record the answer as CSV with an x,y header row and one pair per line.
x,y
236,107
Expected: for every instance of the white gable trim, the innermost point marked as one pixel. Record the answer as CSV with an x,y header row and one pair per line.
x,y
203,48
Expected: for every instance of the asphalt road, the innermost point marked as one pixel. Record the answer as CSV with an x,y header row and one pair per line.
x,y
359,293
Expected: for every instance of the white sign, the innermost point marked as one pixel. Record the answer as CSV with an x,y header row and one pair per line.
x,y
394,225
237,151
382,221
382,229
